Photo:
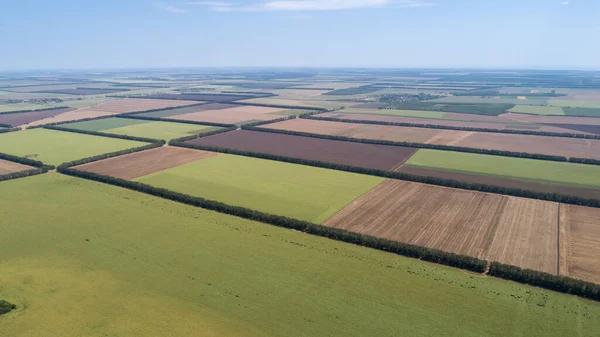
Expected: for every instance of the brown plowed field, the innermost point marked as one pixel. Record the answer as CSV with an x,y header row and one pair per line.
x,y
380,157
551,119
504,182
110,108
580,242
10,167
559,146
139,164
527,235
234,115
22,118
505,125
512,230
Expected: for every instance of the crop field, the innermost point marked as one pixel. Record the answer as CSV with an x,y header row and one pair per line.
x,y
507,167
380,157
16,119
551,119
170,113
296,191
537,110
11,167
56,147
522,100
143,163
141,128
580,242
574,104
303,103
20,106
232,115
198,97
144,254
82,91
512,230
392,112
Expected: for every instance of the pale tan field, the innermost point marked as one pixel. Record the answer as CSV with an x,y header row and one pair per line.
x,y
11,167
232,115
580,242
551,119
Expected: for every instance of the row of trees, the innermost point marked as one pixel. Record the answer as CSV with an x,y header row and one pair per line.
x,y
108,155
24,161
548,281
39,167
567,199
104,134
249,126
417,145
281,106
204,134
423,253
181,121
459,128
34,110
8,127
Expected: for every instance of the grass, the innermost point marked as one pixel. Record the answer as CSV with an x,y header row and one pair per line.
x,y
538,110
141,128
22,106
574,104
296,191
56,147
585,112
528,100
516,168
153,267
390,112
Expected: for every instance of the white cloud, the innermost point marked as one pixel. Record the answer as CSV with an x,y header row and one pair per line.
x,y
307,5
565,3
169,8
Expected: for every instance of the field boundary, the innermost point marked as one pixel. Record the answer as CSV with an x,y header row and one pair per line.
x,y
282,106
40,167
104,134
456,128
171,120
34,110
567,199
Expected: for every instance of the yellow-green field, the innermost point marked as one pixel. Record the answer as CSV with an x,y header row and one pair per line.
x,y
97,260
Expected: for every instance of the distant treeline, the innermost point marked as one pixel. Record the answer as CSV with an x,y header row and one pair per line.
x,y
501,94
487,109
32,110
39,167
422,253
367,89
248,126
109,155
458,128
548,281
206,134
416,145
104,134
170,120
279,106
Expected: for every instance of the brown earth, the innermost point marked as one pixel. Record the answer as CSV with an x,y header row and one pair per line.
x,y
505,125
380,157
139,164
188,110
551,119
580,242
11,167
234,115
504,182
512,230
201,97
16,119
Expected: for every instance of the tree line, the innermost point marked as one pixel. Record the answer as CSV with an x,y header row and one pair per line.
x,y
170,120
109,155
278,106
458,128
567,199
548,281
417,145
33,110
39,167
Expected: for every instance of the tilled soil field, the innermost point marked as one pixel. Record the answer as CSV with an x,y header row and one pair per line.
x,y
11,167
580,242
16,119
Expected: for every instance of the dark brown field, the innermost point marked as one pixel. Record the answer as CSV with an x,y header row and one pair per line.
x,y
380,157
16,119
201,97
139,164
82,91
504,182
11,167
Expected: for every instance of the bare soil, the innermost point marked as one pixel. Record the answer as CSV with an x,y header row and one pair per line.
x,y
11,167
580,242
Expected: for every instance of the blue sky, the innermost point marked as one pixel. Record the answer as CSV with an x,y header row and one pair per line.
x,y
312,33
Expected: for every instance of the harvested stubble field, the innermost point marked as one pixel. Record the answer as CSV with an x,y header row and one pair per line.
x,y
506,167
141,128
380,157
296,191
11,167
503,124
558,146
16,119
196,272
199,97
580,242
233,115
551,119
302,103
143,163
517,231
170,113
56,147
111,108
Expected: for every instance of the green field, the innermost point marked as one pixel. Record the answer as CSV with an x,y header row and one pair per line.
x,y
56,147
574,104
404,113
141,128
529,100
296,191
22,106
516,168
152,267
538,110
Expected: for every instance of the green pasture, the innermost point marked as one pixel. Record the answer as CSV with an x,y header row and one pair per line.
x,y
22,106
141,128
529,100
56,147
403,113
574,104
296,191
515,168
538,110
80,258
